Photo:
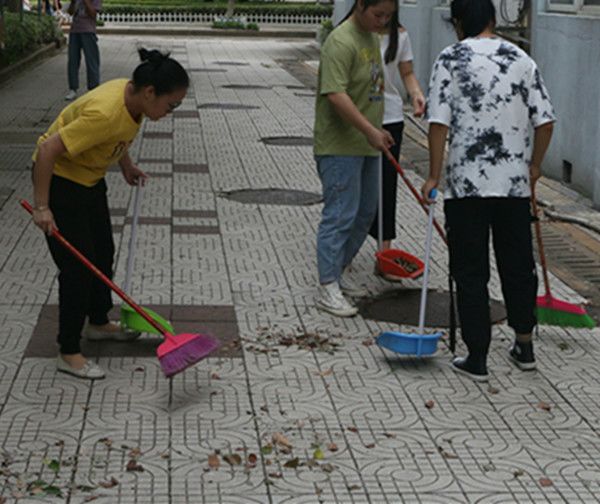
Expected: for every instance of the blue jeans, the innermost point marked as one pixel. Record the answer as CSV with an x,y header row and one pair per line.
x,y
89,43
350,197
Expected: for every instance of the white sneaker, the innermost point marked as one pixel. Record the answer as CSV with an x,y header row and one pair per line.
x,y
351,288
90,370
93,334
71,95
333,301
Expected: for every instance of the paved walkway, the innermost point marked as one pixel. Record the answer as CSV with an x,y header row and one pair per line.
x,y
299,406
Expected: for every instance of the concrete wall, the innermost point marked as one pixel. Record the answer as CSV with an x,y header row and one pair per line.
x,y
567,50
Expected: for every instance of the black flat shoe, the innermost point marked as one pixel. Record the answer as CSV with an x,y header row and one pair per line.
x,y
466,367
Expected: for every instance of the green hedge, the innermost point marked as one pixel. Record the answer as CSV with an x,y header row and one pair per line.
x,y
22,38
220,8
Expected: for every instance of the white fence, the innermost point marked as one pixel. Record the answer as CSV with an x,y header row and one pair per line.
x,y
201,17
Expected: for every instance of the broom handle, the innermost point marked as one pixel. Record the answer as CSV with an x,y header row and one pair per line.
x,y
540,243
415,193
86,262
133,237
423,305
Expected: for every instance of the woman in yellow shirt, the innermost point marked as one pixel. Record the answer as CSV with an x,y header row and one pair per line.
x,y
70,163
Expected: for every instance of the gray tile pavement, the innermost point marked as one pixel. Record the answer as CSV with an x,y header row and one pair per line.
x,y
360,424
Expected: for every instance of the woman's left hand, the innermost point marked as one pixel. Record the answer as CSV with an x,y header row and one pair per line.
x,y
418,103
131,174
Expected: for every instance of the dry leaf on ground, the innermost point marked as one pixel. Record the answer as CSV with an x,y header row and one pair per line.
x,y
544,406
332,447
429,404
113,482
546,482
213,461
279,439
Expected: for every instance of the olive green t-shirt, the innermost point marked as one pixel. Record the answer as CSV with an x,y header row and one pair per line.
x,y
350,63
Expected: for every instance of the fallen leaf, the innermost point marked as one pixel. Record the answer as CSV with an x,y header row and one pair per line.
x,y
353,487
544,406
89,498
268,462
326,372
353,429
275,475
328,468
332,447
447,455
370,445
281,440
545,482
3,500
292,463
367,342
133,466
488,467
318,454
53,465
493,390
264,408
213,461
429,404
563,346
140,368
252,459
53,490
109,484
233,459
215,376
106,441
518,472
59,443
135,453
267,449
389,435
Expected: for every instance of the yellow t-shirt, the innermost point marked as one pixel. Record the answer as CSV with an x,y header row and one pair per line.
x,y
96,130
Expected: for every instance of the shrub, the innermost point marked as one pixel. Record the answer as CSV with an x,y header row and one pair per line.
x,y
221,9
25,37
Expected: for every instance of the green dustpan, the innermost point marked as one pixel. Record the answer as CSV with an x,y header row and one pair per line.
x,y
134,321
130,319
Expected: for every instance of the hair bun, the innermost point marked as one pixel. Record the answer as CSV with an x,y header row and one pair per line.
x,y
153,56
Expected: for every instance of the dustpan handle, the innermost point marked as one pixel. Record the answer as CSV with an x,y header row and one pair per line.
x,y
423,304
380,205
89,265
137,202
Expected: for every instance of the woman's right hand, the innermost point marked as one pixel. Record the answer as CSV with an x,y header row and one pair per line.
x,y
380,139
44,219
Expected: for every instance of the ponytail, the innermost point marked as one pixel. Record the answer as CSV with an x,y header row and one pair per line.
x,y
160,71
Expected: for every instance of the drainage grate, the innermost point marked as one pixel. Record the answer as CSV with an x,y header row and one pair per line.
x,y
401,306
246,86
289,197
288,141
227,106
231,63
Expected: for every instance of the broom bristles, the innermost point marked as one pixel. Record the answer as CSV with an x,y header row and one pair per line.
x,y
554,317
178,357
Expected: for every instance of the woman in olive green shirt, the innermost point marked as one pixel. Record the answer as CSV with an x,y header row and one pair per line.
x,y
348,140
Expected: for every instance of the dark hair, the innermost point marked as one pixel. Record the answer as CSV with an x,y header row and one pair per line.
x,y
366,5
472,16
392,48
160,71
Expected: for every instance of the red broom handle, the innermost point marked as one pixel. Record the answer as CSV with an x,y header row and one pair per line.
x,y
540,243
88,264
415,193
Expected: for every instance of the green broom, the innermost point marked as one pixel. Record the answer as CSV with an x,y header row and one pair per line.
x,y
549,310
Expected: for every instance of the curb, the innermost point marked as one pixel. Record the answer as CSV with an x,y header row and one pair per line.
x,y
203,32
43,52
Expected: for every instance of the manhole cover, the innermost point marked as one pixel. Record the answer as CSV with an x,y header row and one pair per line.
x,y
401,306
293,141
227,106
274,197
246,86
231,63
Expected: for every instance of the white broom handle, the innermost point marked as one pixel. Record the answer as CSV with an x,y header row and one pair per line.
x,y
423,305
133,237
380,207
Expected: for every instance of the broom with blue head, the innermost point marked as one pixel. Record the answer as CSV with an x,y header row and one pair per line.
x,y
549,310
177,352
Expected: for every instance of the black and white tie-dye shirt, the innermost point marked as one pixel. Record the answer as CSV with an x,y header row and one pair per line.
x,y
488,92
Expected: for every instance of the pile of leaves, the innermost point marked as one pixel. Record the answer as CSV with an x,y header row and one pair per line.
x,y
269,338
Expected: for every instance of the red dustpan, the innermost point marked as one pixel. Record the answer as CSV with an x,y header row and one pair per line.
x,y
393,262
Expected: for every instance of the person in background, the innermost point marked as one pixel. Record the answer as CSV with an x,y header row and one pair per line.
x,y
348,138
487,94
396,52
82,37
70,163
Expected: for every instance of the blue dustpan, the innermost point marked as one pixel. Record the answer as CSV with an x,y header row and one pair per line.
x,y
421,343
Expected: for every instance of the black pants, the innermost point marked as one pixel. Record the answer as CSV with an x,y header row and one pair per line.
x,y
390,187
469,222
81,215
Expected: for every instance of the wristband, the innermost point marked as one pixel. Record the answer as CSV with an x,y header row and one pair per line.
x,y
41,208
